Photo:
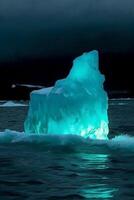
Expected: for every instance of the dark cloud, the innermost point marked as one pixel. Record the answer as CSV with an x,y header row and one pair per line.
x,y
38,28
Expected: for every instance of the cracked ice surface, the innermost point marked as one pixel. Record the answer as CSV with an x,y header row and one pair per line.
x,y
75,105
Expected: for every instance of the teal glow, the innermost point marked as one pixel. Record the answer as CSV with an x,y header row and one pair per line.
x,y
98,185
98,191
75,105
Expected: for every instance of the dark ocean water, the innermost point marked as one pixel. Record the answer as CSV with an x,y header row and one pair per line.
x,y
67,167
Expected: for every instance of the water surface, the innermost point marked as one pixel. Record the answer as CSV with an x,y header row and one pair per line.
x,y
67,167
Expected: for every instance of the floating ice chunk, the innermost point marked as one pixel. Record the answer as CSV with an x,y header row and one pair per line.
x,y
75,105
12,104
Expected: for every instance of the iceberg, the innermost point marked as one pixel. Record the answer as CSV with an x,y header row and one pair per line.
x,y
75,105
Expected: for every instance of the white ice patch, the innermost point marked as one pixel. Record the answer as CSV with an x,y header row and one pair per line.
x,y
43,91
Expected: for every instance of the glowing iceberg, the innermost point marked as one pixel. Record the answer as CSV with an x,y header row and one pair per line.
x,y
75,105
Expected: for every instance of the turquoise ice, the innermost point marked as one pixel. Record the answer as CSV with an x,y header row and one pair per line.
x,y
75,105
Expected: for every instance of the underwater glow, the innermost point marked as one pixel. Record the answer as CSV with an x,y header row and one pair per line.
x,y
75,105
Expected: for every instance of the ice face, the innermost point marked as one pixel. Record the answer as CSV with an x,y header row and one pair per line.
x,y
75,105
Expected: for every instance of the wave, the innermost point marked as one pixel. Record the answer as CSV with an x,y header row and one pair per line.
x,y
119,143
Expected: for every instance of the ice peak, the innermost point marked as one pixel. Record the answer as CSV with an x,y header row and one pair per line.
x,y
84,66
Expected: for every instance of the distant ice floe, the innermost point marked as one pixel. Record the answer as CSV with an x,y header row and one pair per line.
x,y
12,104
119,101
117,104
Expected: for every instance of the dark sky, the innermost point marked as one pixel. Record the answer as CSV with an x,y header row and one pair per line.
x,y
34,28
40,38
